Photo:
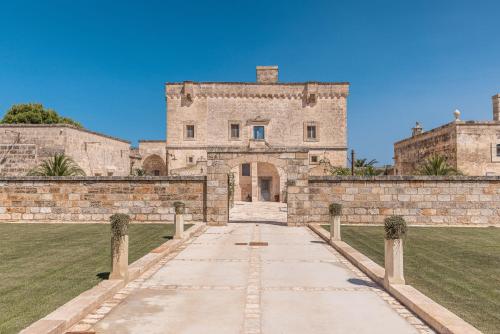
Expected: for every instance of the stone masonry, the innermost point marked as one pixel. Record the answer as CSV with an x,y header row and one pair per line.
x,y
421,200
94,199
24,146
473,147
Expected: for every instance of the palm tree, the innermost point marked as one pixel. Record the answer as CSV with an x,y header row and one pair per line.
x,y
365,163
58,165
437,165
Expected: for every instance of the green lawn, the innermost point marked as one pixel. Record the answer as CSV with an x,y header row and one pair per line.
x,y
457,267
42,266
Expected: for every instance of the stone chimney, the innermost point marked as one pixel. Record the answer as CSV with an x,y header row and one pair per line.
x,y
496,107
267,74
416,130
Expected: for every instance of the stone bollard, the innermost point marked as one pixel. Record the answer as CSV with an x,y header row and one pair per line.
x,y
395,230
119,246
335,210
179,219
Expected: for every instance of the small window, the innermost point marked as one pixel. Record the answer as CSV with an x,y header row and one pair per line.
x,y
97,174
311,132
314,159
245,170
258,132
190,131
235,131
190,159
498,150
156,172
110,173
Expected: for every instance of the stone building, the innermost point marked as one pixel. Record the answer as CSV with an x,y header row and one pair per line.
x,y
24,146
473,147
255,116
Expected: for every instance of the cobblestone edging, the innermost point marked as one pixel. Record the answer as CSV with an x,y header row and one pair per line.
x,y
93,303
441,319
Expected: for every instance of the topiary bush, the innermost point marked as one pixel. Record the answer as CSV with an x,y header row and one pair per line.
x,y
335,209
180,207
119,228
395,227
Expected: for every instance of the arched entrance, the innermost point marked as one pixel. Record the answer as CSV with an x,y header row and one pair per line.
x,y
154,165
283,177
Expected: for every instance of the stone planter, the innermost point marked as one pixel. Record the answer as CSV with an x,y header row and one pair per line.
x,y
119,258
394,273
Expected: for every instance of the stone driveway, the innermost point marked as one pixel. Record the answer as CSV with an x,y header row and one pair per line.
x,y
219,284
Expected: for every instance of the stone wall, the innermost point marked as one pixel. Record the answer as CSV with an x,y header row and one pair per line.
x,y
421,200
94,199
24,146
411,152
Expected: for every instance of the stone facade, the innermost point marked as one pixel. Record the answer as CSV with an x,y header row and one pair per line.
x,y
421,200
473,147
23,146
94,199
261,115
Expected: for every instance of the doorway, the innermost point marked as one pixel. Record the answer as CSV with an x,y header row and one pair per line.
x,y
265,188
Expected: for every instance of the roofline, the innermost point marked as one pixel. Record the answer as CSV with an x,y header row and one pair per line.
x,y
152,141
62,125
344,83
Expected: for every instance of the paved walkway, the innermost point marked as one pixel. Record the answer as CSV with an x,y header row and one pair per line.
x,y
270,212
296,284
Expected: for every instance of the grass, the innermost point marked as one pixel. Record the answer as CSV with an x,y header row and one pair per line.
x,y
42,266
457,267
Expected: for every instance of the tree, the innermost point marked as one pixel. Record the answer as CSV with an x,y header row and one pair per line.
x,y
437,165
59,165
34,113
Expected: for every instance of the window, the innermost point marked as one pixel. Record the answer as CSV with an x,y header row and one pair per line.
x,y
235,131
314,159
258,132
190,160
498,150
156,172
311,132
110,173
245,170
97,174
190,131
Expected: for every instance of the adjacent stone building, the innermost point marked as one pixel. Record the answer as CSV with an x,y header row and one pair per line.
x,y
473,147
265,115
24,146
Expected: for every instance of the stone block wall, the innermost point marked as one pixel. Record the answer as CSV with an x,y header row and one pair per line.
x,y
94,199
421,200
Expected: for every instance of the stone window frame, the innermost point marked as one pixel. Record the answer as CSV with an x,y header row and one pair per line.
x,y
311,159
316,125
230,123
494,156
184,128
192,162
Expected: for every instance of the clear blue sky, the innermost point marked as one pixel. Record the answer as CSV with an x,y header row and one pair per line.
x,y
104,63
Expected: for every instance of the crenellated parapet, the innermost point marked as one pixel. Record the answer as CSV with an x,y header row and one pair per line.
x,y
309,91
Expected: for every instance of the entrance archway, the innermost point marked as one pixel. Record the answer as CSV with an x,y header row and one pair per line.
x,y
154,165
290,165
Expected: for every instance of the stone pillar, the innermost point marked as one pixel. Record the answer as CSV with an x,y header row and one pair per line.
x,y
255,182
119,257
393,262
179,220
335,228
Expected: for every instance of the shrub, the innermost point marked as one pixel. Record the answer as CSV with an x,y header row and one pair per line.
x,y
119,224
59,165
395,227
179,207
335,209
35,113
